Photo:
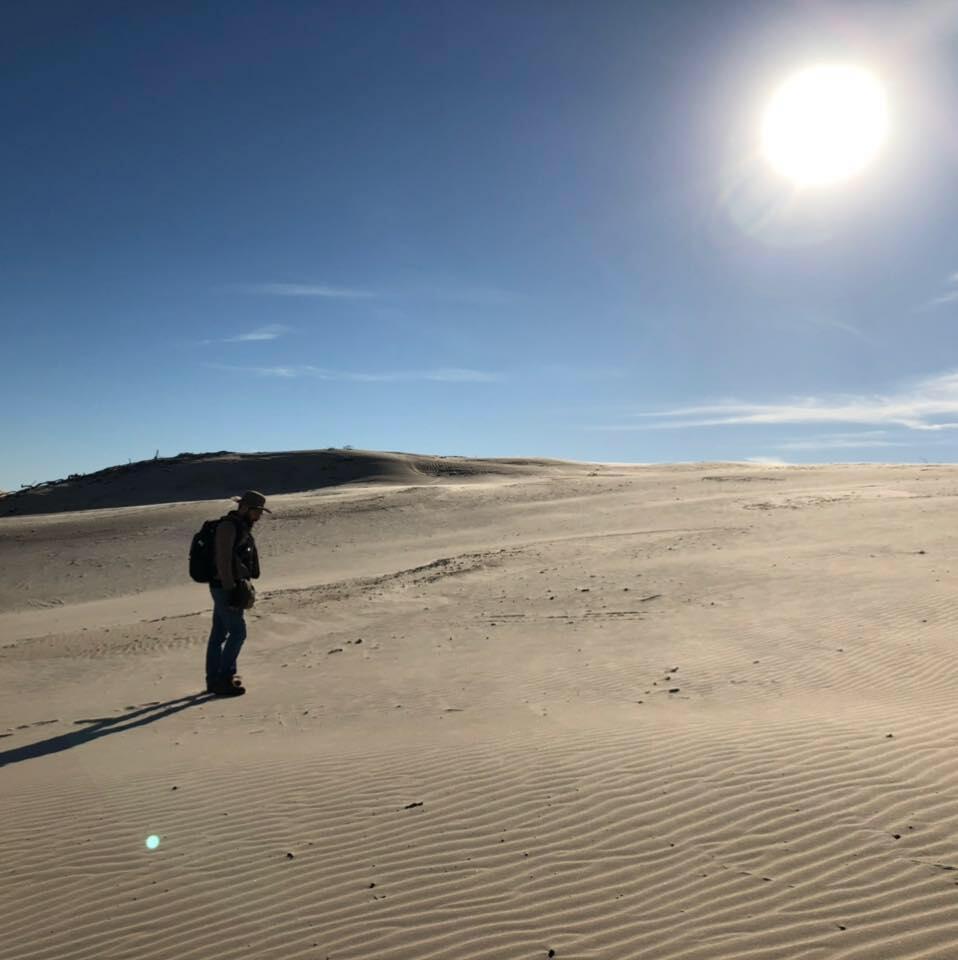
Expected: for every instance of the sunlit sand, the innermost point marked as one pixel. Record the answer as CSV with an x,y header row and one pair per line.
x,y
494,709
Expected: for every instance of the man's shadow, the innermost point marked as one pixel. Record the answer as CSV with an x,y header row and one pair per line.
x,y
101,727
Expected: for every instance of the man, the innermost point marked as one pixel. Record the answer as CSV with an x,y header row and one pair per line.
x,y
236,564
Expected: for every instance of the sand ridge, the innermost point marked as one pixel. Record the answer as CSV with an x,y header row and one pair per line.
x,y
188,477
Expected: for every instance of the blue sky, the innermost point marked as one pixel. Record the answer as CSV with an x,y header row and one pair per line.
x,y
481,228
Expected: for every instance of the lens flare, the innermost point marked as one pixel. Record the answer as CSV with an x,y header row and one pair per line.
x,y
152,841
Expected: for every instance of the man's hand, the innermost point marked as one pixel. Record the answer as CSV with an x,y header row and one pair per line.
x,y
243,595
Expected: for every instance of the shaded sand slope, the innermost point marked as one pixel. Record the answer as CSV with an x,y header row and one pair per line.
x,y
688,712
214,476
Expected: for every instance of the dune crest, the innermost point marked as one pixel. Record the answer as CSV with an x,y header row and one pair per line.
x,y
214,476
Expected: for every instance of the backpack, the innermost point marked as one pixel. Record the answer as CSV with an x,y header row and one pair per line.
x,y
202,559
203,553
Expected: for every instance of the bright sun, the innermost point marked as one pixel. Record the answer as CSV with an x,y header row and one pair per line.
x,y
824,124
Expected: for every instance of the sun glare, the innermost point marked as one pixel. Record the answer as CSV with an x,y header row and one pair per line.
x,y
824,124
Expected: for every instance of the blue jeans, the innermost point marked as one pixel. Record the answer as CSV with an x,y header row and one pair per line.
x,y
226,637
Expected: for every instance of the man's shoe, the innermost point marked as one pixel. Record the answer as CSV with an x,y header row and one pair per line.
x,y
227,687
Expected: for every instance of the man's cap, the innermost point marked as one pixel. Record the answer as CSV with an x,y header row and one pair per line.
x,y
253,498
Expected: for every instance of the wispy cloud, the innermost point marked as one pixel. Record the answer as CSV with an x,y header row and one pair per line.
x,y
951,292
928,405
843,326
302,290
843,441
440,375
949,297
272,332
437,293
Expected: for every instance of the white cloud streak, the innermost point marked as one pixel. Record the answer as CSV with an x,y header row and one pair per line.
x,y
463,296
441,375
272,332
928,405
843,441
950,295
845,327
303,290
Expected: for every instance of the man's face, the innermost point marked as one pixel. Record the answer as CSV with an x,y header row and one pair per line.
x,y
254,513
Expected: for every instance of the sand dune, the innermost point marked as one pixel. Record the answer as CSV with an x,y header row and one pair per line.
x,y
215,476
701,711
